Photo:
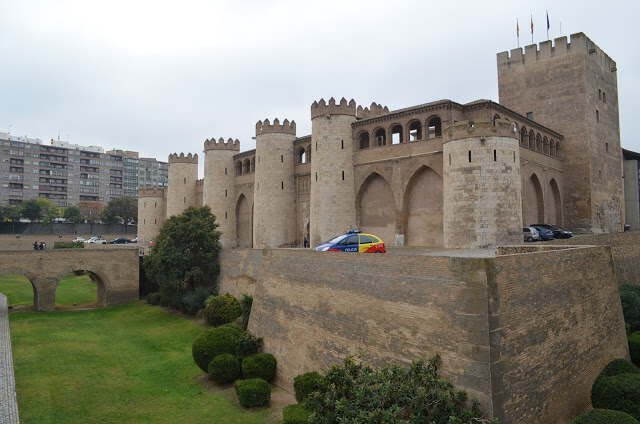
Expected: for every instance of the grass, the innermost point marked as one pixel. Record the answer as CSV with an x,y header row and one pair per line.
x,y
125,364
78,289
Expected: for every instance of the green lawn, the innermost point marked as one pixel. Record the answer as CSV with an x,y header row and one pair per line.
x,y
78,289
125,364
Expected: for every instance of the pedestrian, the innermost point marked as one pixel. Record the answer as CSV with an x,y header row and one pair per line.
x,y
305,242
35,245
41,245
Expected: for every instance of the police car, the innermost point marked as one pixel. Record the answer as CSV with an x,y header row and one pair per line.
x,y
353,241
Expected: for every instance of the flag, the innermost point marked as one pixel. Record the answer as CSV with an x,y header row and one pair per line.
x,y
547,20
531,24
517,28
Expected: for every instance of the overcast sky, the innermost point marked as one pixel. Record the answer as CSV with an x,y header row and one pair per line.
x,y
159,77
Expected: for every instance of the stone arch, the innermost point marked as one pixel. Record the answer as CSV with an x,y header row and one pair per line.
x,y
524,137
539,145
495,118
238,167
552,147
363,140
532,140
99,277
414,129
554,204
244,222
308,153
532,201
396,134
375,208
380,136
422,209
30,277
301,155
545,146
434,127
253,164
247,166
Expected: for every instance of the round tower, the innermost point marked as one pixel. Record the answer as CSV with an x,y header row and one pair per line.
x,y
481,184
332,182
151,213
219,186
274,222
183,174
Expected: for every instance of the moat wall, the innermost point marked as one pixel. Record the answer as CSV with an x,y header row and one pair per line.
x,y
524,333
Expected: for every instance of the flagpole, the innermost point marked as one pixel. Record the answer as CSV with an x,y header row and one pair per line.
x,y
518,32
532,28
547,24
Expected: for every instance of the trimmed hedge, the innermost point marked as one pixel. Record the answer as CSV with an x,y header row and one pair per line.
x,y
222,310
634,347
295,414
154,298
617,367
630,301
214,342
605,416
252,392
305,384
68,245
261,365
620,392
224,369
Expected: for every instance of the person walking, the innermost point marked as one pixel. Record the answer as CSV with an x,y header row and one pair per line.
x,y
35,245
305,242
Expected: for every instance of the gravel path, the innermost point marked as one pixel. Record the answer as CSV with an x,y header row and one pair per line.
x,y
8,402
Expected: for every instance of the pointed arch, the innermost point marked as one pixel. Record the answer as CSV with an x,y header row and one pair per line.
x,y
554,207
422,209
244,222
532,201
375,208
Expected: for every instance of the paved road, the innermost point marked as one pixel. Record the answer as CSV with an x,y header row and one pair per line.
x,y
8,402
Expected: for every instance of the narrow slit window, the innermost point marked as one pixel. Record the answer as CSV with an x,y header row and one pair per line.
x,y
604,97
495,157
514,157
316,176
225,193
469,156
342,175
449,159
185,180
342,144
225,171
281,158
281,185
225,215
597,115
185,200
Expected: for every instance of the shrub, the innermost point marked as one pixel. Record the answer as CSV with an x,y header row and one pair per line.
x,y
620,392
154,298
634,347
605,416
224,369
253,392
247,345
355,393
246,302
214,342
305,384
617,367
295,414
194,300
222,310
630,300
261,365
165,301
67,245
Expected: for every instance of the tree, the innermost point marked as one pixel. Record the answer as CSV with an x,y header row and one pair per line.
x,y
48,210
30,209
186,250
73,214
9,213
91,210
109,216
123,208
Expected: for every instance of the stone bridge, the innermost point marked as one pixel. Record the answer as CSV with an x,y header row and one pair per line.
x,y
115,271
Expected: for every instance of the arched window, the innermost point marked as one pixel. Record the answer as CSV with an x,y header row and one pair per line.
x,y
239,167
253,164
363,140
415,131
524,137
532,140
381,137
247,166
495,118
545,145
302,157
396,134
558,151
552,148
435,127
308,154
539,143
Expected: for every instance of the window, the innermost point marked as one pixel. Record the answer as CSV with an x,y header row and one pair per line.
x,y
597,116
342,175
495,157
530,115
469,156
352,239
365,239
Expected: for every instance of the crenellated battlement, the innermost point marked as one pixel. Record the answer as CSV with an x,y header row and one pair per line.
x,y
480,128
579,44
266,127
372,111
151,192
220,144
190,158
323,108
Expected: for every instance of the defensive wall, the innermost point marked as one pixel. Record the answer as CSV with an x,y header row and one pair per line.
x,y
523,330
115,270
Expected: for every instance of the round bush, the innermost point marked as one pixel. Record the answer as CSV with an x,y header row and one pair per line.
x,y
222,310
214,342
305,384
252,392
154,298
261,365
620,392
296,414
617,367
224,369
165,301
634,347
605,416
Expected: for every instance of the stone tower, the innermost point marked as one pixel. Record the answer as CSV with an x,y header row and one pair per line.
x,y
332,182
151,212
183,174
274,189
572,88
481,183
219,186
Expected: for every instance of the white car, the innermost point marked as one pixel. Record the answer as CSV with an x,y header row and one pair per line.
x,y
96,240
78,240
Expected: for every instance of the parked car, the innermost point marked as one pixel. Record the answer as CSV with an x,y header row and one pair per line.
x,y
120,240
353,241
96,240
134,240
78,240
545,233
557,231
530,234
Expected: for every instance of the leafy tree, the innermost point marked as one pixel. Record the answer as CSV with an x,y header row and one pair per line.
x,y
9,213
30,209
48,210
123,209
109,216
90,210
73,214
356,393
186,250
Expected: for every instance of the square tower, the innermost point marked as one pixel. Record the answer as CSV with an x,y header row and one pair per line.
x,y
572,88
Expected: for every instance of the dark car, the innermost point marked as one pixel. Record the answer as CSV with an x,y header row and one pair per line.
x,y
557,231
120,240
545,233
